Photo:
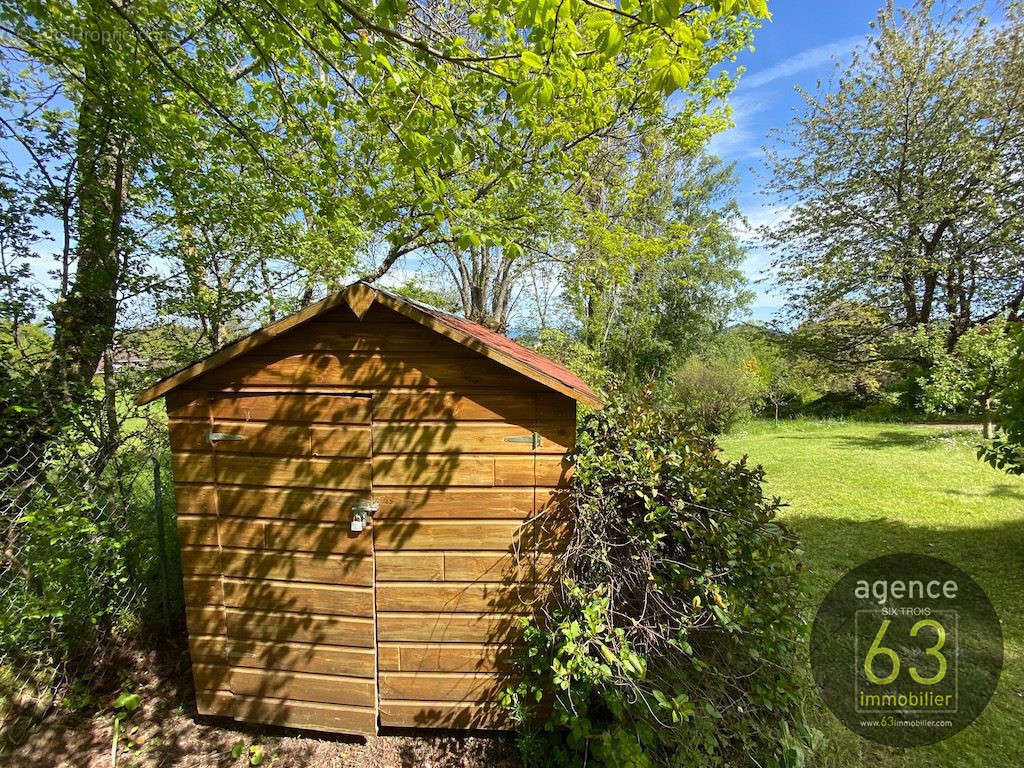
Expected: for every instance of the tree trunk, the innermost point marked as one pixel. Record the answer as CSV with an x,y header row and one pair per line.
x,y
113,427
909,299
986,415
84,319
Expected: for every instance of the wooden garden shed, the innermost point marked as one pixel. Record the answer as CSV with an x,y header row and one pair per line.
x,y
361,491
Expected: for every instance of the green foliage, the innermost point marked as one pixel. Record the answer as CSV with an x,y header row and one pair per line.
x,y
672,639
971,374
714,392
253,753
24,348
1006,449
128,702
743,371
80,565
577,356
655,265
414,289
784,377
124,705
276,145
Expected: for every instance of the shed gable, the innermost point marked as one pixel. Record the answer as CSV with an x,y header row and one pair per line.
x,y
359,301
384,350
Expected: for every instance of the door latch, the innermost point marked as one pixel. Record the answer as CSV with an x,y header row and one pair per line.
x,y
362,511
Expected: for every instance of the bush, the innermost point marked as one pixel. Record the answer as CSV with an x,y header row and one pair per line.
x,y
1006,450
713,394
673,636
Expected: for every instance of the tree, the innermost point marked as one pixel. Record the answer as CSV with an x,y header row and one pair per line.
x,y
1006,450
377,131
784,376
417,289
905,184
654,266
972,374
233,255
487,277
535,210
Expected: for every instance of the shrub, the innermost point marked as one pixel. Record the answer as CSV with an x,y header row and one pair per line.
x,y
673,636
973,374
1006,450
713,394
79,569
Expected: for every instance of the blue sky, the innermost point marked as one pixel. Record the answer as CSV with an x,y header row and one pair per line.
x,y
796,48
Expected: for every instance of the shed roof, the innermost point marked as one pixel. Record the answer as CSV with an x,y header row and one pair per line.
x,y
360,296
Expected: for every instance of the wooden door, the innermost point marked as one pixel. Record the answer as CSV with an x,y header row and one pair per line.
x,y
293,582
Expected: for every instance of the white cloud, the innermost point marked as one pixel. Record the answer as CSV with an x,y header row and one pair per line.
x,y
740,141
735,144
746,105
811,58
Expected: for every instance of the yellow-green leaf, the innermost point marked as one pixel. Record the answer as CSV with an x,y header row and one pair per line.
x,y
531,60
545,92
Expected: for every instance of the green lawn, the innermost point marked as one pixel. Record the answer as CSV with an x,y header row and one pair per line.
x,y
856,491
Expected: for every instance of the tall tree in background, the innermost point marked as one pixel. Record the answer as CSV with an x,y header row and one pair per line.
x,y
487,277
906,182
534,209
655,266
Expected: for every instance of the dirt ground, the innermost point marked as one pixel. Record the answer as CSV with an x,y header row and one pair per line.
x,y
164,732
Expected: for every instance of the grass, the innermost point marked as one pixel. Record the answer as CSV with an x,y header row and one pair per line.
x,y
859,490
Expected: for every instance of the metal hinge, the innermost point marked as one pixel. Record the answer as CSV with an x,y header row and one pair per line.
x,y
534,439
220,437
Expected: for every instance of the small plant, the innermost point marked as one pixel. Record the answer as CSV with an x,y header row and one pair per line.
x,y
124,706
253,753
714,394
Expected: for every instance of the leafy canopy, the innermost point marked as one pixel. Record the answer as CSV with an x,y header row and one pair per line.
x,y
351,132
407,113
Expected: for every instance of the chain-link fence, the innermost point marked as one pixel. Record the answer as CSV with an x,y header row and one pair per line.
x,y
83,563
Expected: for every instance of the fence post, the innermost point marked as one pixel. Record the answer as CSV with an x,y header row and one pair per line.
x,y
158,510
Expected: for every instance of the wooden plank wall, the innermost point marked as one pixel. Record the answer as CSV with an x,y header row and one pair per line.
x,y
457,558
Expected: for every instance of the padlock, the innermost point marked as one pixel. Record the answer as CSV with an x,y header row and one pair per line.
x,y
358,522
